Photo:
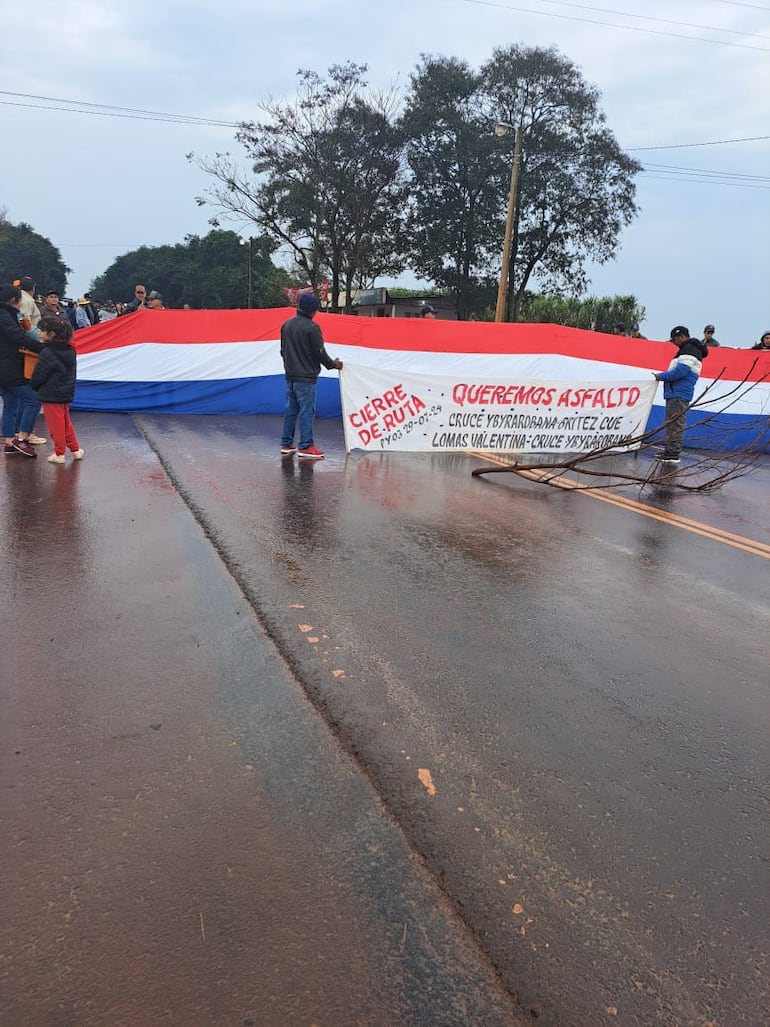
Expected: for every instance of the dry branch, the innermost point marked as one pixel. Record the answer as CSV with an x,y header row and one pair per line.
x,y
707,472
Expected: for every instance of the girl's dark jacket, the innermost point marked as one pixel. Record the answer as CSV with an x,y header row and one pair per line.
x,y
55,374
12,338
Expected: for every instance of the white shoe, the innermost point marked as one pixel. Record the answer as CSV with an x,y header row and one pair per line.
x,y
78,454
54,459
36,440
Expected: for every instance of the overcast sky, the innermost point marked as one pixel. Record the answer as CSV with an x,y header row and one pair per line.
x,y
673,75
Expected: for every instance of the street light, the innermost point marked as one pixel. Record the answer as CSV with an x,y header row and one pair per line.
x,y
502,128
250,295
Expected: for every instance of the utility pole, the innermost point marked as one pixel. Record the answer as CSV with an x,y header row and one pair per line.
x,y
502,129
250,297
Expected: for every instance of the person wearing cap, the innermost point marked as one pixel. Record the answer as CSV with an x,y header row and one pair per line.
x,y
764,342
29,309
678,389
155,301
91,309
303,352
635,333
51,305
708,336
427,311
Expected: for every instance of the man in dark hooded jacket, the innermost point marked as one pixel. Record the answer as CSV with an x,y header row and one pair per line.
x,y
678,389
303,353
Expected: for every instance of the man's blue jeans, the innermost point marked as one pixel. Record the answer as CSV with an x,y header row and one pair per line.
x,y
300,403
20,408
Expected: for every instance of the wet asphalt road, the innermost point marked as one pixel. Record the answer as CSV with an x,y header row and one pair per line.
x,y
532,781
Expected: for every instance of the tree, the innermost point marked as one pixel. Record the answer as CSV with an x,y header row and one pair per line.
x,y
326,182
454,200
595,313
575,186
210,272
576,190
24,252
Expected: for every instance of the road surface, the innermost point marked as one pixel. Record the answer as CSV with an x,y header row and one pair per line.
x,y
375,741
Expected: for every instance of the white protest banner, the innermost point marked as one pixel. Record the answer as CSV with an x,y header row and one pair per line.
x,y
389,411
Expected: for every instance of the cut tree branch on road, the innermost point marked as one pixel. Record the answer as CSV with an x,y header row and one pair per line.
x,y
705,472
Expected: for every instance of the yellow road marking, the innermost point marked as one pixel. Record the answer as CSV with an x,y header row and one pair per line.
x,y
747,545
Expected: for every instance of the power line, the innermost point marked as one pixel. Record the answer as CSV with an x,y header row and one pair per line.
x,y
703,181
113,111
109,110
647,17
683,146
703,171
737,3
612,25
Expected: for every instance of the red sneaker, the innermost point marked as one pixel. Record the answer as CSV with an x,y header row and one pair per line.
x,y
22,446
310,453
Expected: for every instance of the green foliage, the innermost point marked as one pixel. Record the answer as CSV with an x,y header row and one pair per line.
x,y
326,179
575,185
576,189
24,252
454,199
594,313
208,273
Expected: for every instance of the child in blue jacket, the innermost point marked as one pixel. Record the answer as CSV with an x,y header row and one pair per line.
x,y
678,389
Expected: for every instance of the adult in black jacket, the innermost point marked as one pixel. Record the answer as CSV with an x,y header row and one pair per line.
x,y
20,403
303,353
54,380
139,302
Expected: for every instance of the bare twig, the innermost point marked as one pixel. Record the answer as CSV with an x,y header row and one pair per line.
x,y
707,472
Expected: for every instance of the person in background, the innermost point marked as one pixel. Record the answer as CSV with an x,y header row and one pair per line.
x,y
72,309
155,301
29,309
764,342
428,312
51,306
303,352
678,389
82,319
635,333
619,328
29,314
708,336
138,302
54,381
92,308
20,403
107,312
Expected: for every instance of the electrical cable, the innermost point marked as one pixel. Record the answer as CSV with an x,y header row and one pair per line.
x,y
612,25
648,17
109,110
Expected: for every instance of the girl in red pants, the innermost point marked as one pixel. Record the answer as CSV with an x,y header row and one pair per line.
x,y
54,380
